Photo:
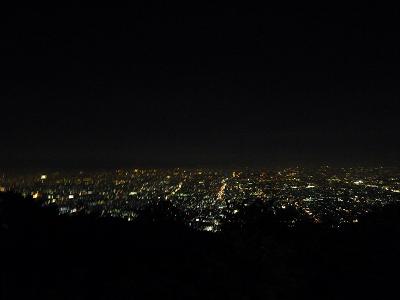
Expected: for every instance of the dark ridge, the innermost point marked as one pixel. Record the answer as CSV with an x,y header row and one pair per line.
x,y
47,256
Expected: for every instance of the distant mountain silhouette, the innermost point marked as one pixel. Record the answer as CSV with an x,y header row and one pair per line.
x,y
48,256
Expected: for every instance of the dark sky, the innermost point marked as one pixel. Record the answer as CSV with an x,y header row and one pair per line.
x,y
199,85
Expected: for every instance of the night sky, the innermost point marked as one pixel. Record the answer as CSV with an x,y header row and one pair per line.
x,y
199,86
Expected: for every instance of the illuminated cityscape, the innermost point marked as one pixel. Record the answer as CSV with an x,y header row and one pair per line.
x,y
205,197
200,151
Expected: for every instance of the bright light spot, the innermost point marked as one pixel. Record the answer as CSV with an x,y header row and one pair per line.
x,y
221,191
43,177
35,195
358,182
209,228
71,197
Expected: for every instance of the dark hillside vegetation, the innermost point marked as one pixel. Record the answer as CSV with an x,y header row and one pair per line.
x,y
48,256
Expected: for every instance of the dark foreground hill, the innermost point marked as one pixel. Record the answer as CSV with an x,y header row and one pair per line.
x,y
47,256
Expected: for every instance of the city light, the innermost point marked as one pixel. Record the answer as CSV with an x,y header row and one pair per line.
x,y
207,196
